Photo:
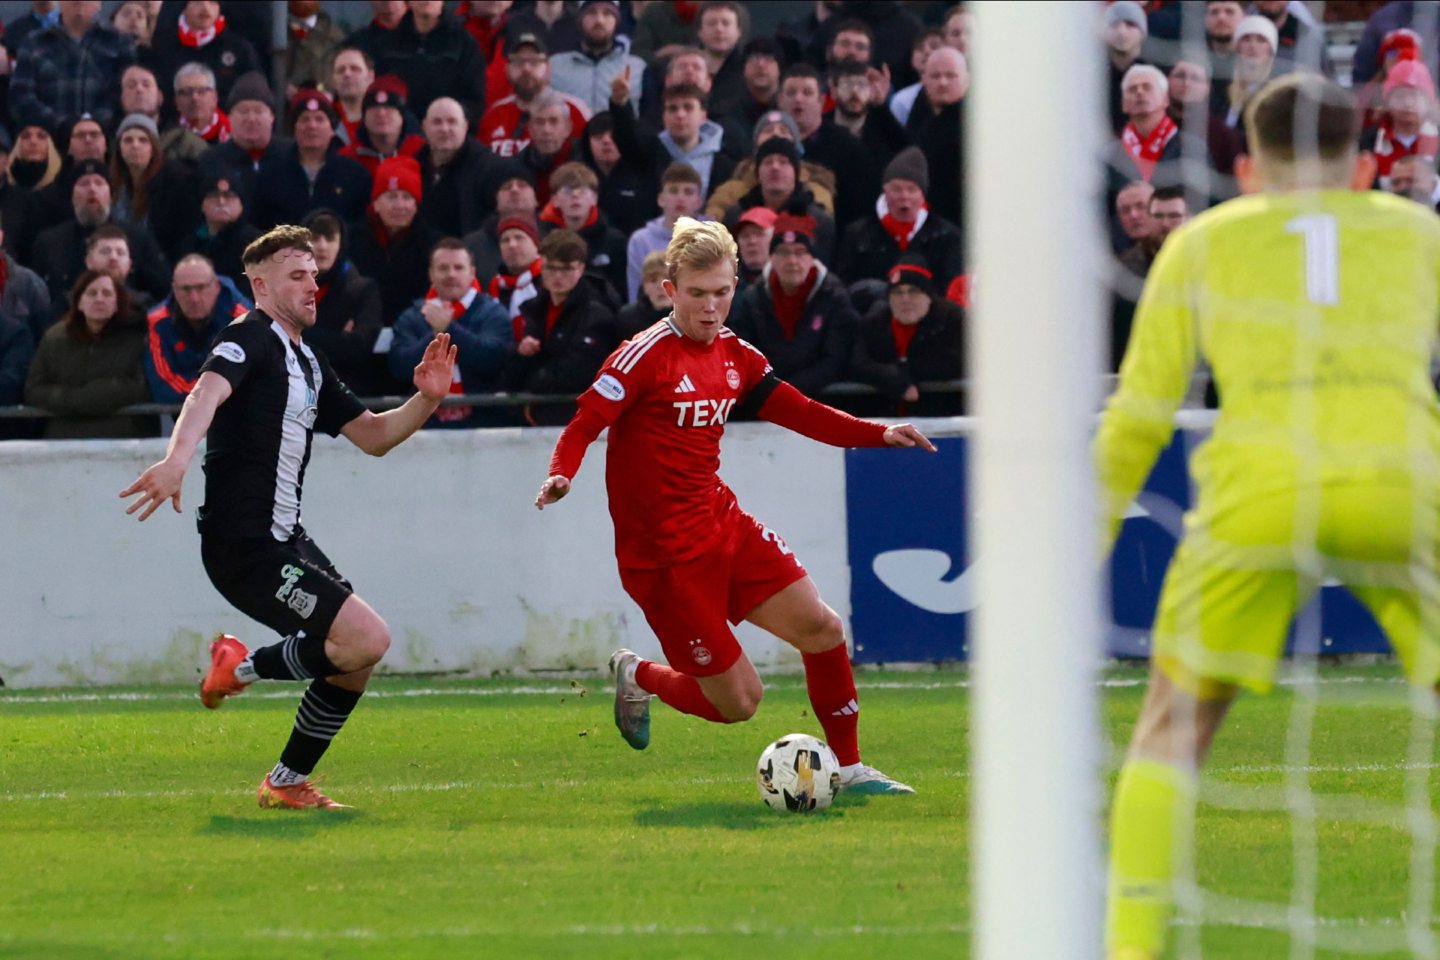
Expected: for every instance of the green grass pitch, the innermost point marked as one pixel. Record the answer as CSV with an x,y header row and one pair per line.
x,y
507,819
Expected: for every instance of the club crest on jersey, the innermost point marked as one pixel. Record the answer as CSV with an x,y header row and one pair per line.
x,y
230,350
610,388
700,653
732,377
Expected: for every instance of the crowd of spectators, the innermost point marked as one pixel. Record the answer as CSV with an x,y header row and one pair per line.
x,y
507,172
1180,77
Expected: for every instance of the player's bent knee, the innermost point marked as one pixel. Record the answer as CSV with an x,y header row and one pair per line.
x,y
824,632
740,710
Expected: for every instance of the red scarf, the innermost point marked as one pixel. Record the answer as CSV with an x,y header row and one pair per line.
x,y
903,334
198,38
789,306
1146,153
216,131
299,29
1388,149
502,282
685,10
552,316
457,388
902,233
552,214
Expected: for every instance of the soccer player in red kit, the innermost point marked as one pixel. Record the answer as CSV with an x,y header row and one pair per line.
x,y
689,556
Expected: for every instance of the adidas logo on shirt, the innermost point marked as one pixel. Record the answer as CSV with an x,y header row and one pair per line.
x,y
685,385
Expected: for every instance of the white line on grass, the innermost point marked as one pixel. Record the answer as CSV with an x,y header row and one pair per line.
x,y
121,696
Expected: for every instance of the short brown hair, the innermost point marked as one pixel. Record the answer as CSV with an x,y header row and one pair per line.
x,y
451,243
686,91
564,246
1302,117
680,172
284,237
573,174
106,231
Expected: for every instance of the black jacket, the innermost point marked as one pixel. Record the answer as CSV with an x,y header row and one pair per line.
x,y
229,56
446,62
234,161
625,194
17,347
867,251
570,355
401,267
642,149
224,249
461,194
638,316
348,298
61,249
857,176
284,194
607,248
174,207
941,137
936,353
817,355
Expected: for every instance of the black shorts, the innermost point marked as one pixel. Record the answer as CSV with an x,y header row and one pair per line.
x,y
289,586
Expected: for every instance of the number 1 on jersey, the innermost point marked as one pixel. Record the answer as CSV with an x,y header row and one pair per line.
x,y
1322,256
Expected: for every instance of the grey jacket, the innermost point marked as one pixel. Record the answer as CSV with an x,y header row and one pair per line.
x,y
26,298
582,76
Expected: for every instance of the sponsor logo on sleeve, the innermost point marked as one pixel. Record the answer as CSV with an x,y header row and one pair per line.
x,y
610,388
230,350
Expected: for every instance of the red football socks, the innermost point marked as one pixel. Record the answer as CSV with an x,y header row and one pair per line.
x,y
677,690
831,685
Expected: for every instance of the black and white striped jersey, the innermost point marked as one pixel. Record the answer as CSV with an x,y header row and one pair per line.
x,y
259,442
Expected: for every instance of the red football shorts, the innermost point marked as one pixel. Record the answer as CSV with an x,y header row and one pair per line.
x,y
690,606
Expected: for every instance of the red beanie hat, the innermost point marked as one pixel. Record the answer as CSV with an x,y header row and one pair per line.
x,y
397,173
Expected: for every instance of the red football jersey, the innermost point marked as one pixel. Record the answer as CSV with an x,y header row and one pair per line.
x,y
666,398
505,128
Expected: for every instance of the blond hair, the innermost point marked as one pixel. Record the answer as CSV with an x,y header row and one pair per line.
x,y
699,245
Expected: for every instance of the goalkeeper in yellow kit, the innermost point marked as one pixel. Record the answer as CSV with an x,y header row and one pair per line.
x,y
1316,303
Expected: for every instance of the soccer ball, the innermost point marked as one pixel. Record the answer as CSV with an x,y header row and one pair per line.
x,y
798,773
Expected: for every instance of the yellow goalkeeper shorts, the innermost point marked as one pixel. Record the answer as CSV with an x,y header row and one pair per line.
x,y
1241,574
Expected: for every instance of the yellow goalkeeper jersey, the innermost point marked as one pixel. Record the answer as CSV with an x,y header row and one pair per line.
x,y
1318,315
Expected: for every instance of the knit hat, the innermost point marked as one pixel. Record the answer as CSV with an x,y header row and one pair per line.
x,y
397,173
1402,42
781,146
1410,73
1258,26
758,216
137,120
587,4
218,182
770,117
250,86
84,168
1130,11
794,228
914,270
524,224
909,164
761,47
309,99
386,91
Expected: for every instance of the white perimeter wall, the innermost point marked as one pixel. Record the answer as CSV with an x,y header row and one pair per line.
x,y
440,537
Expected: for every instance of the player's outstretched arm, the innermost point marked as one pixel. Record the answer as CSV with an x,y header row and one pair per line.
x,y
787,407
162,481
379,433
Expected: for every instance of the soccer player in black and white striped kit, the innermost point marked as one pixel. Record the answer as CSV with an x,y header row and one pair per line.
x,y
261,394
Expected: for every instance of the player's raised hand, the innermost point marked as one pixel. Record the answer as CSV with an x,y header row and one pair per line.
x,y
554,488
436,368
620,86
160,482
906,435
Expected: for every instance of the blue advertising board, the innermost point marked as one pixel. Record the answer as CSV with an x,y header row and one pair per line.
x,y
912,576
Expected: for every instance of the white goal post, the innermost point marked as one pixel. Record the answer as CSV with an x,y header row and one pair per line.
x,y
1033,131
